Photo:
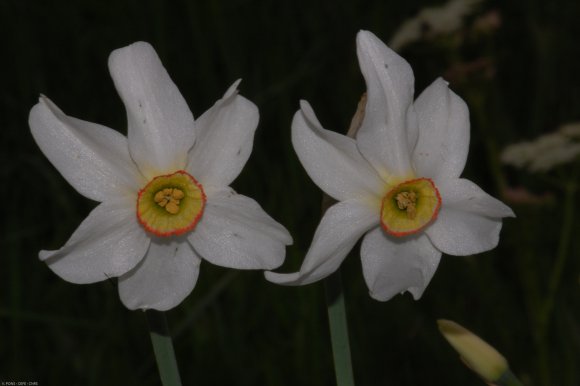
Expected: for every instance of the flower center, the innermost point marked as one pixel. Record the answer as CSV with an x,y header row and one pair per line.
x,y
410,207
170,205
169,198
408,201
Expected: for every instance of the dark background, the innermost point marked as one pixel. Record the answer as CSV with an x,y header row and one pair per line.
x,y
520,80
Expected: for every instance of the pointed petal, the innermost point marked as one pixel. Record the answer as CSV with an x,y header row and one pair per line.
x,y
469,220
225,135
161,128
164,278
332,160
394,265
108,243
443,143
339,230
384,135
235,232
92,158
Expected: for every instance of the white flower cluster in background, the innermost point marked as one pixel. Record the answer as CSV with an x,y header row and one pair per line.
x,y
545,152
433,21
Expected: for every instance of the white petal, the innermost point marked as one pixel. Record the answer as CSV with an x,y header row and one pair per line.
x,y
443,143
339,230
161,128
332,160
394,265
384,135
163,279
469,220
462,194
108,243
225,135
92,158
412,129
235,232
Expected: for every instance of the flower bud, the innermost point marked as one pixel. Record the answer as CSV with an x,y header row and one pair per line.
x,y
477,354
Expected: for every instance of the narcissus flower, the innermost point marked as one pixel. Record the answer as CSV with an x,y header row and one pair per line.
x,y
164,198
397,183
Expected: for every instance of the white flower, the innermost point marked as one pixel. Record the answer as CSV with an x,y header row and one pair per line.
x,y
164,198
433,21
397,183
545,152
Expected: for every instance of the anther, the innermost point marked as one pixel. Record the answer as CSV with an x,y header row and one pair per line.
x,y
169,198
407,201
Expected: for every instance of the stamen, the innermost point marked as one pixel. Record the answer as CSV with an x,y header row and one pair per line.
x,y
406,201
169,198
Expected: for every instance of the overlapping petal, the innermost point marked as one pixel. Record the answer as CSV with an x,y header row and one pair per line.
x,y
386,129
92,158
332,160
441,151
235,232
339,230
225,135
393,265
160,124
164,278
469,220
108,243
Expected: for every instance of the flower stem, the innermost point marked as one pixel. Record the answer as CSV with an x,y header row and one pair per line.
x,y
163,348
563,247
333,288
547,305
338,330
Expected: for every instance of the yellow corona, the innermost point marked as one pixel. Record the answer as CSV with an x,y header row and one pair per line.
x,y
170,205
409,207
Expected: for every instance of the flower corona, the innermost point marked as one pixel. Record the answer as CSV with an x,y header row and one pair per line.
x,y
170,205
409,207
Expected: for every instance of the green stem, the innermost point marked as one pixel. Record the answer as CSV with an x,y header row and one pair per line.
x,y
334,292
338,330
563,246
163,348
546,307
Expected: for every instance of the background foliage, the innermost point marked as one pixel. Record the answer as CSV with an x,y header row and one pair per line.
x,y
520,80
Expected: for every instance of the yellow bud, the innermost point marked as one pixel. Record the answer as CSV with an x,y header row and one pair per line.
x,y
477,354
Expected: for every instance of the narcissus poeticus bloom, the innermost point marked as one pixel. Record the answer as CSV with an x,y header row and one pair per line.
x,y
398,183
164,198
